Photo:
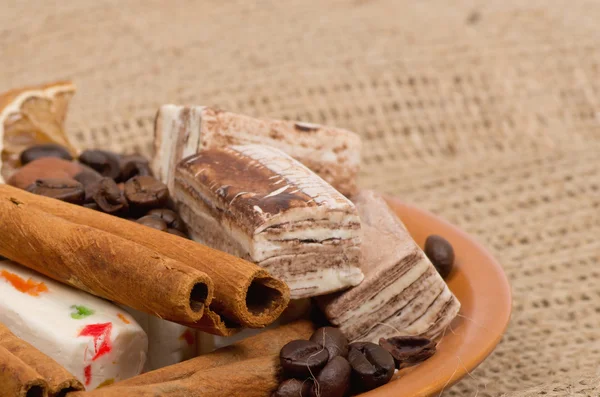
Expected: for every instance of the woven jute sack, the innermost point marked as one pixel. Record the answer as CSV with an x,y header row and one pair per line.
x,y
486,113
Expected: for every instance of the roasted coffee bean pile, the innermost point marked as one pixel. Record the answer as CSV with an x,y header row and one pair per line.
x,y
440,253
319,366
327,366
120,185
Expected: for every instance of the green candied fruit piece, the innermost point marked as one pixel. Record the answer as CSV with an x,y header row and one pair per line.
x,y
81,312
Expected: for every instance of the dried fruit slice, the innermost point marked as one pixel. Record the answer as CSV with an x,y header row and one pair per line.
x,y
30,116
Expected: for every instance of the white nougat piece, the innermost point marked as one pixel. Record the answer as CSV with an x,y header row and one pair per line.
x,y
168,342
95,340
260,204
402,293
181,131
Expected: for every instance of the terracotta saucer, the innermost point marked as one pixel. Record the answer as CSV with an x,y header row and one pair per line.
x,y
483,290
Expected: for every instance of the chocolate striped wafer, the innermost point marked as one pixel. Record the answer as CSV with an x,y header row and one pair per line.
x,y
402,293
180,131
258,203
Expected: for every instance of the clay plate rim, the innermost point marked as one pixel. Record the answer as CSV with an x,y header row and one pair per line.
x,y
483,290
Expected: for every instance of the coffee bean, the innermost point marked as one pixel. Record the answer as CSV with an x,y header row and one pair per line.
x,y
107,195
333,380
301,358
92,206
170,217
408,350
134,165
177,233
153,222
45,150
372,365
64,189
440,253
333,340
88,178
42,168
145,192
104,162
293,388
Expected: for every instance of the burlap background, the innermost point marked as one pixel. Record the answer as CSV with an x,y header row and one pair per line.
x,y
486,113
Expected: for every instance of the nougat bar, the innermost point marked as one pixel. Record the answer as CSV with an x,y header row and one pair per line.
x,y
95,340
402,293
168,342
181,131
258,203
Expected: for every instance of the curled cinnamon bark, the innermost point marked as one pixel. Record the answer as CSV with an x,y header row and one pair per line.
x,y
266,343
28,372
256,377
98,262
18,379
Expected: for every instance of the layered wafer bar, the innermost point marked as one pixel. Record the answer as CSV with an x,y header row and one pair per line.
x,y
181,131
402,293
258,203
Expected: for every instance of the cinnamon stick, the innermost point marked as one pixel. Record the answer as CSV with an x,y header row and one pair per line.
x,y
17,379
59,381
244,292
214,323
100,263
257,377
266,343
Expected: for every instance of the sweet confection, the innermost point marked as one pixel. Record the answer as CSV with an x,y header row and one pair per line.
x,y
96,341
402,292
168,342
181,131
258,203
